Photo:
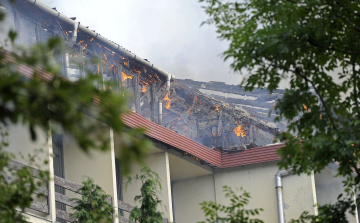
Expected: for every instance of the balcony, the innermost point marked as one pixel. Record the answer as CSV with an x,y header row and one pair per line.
x,y
43,207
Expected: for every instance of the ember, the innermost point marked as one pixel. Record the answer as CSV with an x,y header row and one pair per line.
x,y
168,101
143,88
125,76
240,131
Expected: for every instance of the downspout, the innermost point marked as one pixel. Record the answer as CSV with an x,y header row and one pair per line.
x,y
70,44
74,35
67,66
279,193
168,78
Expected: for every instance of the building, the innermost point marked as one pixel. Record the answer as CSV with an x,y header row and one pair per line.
x,y
190,172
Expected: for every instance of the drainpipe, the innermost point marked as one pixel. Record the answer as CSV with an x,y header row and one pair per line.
x,y
67,66
74,35
168,78
160,112
279,193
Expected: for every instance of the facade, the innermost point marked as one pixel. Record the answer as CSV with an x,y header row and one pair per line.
x,y
190,172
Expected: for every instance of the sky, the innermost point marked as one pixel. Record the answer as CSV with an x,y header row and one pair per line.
x,y
166,32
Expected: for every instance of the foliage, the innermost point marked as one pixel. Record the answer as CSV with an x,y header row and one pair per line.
x,y
234,213
149,200
16,187
68,105
329,213
313,45
92,207
37,101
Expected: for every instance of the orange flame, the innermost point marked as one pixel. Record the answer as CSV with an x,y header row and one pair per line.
x,y
240,131
217,108
143,88
168,101
125,76
91,39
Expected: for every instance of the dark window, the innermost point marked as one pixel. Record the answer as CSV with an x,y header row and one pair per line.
x,y
119,183
58,160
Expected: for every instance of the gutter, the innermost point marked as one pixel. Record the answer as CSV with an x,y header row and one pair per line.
x,y
279,193
111,45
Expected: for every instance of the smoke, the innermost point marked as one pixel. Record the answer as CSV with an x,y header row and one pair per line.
x,y
167,33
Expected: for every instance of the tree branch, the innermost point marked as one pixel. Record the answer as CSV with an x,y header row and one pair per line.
x,y
321,98
330,48
355,90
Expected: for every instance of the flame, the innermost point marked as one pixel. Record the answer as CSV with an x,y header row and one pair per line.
x,y
143,88
91,39
125,76
81,42
84,46
105,57
125,63
305,107
217,108
168,101
240,131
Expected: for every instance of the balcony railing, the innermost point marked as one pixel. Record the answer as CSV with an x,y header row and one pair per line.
x,y
68,185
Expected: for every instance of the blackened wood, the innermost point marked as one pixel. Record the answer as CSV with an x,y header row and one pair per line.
x,y
64,199
18,166
64,215
66,184
119,77
38,33
39,190
153,102
123,220
38,206
124,206
17,21
137,93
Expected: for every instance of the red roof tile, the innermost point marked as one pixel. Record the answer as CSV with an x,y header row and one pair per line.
x,y
250,156
169,137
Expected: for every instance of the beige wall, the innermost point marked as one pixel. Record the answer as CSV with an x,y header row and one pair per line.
x,y
328,188
258,180
157,163
94,164
298,195
187,196
21,145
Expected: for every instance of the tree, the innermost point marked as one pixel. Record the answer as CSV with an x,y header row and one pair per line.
x,y
44,103
313,45
149,200
234,213
93,206
16,187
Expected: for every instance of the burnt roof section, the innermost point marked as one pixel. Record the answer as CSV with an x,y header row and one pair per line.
x,y
42,13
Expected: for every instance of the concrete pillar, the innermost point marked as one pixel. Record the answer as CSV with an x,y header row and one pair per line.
x,y
113,170
168,182
51,197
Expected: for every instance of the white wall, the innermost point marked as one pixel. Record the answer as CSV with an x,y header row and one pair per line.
x,y
328,188
187,196
258,180
157,163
